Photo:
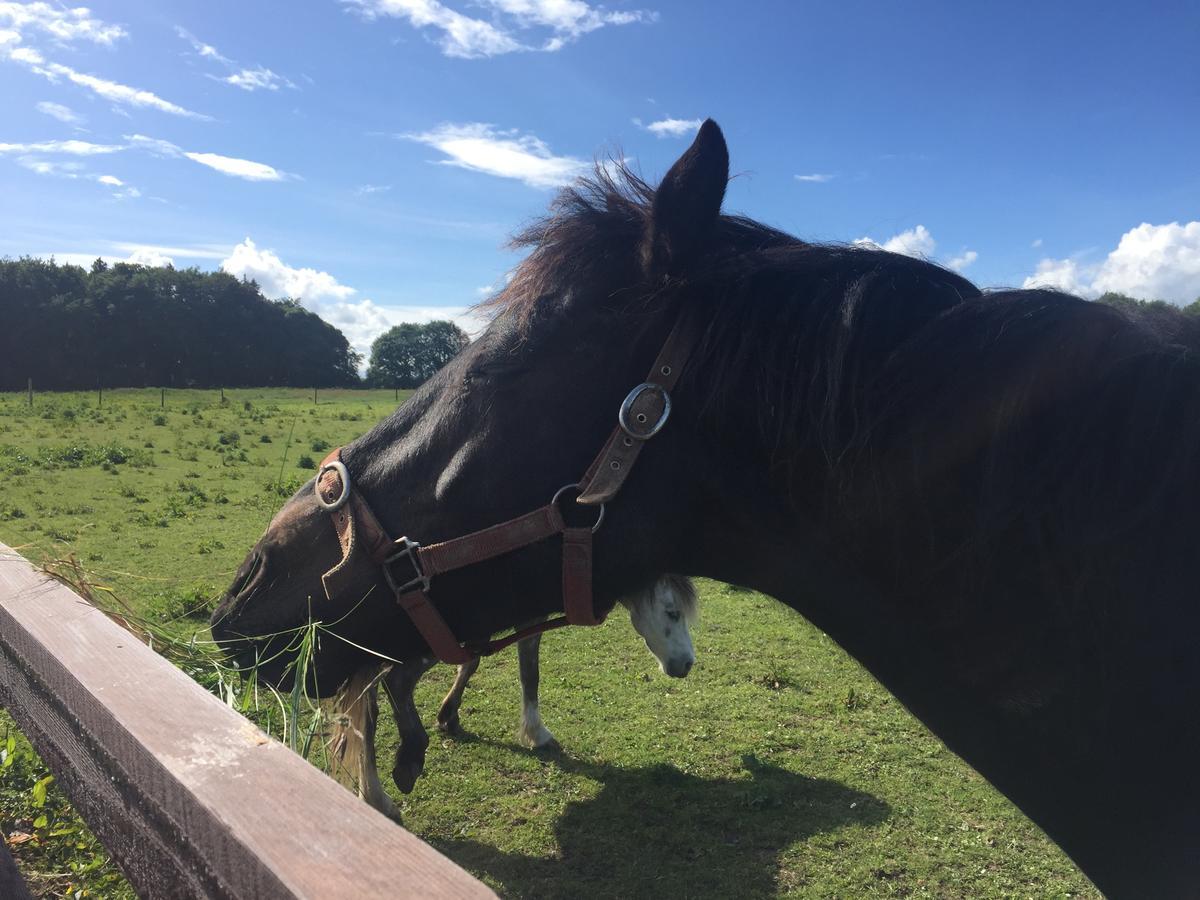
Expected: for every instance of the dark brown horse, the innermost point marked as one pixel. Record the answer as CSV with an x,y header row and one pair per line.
x,y
990,500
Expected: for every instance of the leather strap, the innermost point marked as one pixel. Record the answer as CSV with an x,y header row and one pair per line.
x,y
577,577
488,543
612,465
359,531
433,628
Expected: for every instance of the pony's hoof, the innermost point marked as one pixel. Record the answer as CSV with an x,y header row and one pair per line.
x,y
452,727
551,746
405,775
540,739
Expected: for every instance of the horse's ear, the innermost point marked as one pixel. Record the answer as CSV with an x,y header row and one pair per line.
x,y
687,203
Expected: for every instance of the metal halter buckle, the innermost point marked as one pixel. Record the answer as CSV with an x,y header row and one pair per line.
x,y
405,548
575,487
627,407
333,505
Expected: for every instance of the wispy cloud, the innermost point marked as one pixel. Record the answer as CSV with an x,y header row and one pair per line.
x,y
815,178
258,78
364,189
70,148
1037,242
62,113
110,90
253,78
560,21
508,154
207,51
60,23
228,165
1150,262
668,128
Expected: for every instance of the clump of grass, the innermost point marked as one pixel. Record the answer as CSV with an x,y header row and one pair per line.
x,y
306,462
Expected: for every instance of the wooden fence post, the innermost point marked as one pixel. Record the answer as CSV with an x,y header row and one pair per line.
x,y
191,799
31,392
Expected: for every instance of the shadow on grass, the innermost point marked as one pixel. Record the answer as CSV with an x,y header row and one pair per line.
x,y
659,832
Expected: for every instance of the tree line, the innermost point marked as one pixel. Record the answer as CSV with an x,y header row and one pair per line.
x,y
128,325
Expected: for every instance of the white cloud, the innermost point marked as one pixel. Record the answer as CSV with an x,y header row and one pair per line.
x,y
60,112
208,51
258,78
277,279
470,38
360,320
916,242
50,167
1153,262
238,168
148,256
1037,242
112,180
363,189
109,90
1060,274
462,36
71,148
665,128
507,154
815,178
60,23
248,79
227,165
958,263
202,251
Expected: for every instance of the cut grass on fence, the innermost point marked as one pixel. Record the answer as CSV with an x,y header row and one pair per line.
x,y
777,768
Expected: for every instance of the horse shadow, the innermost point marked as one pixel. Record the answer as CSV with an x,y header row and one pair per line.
x,y
660,832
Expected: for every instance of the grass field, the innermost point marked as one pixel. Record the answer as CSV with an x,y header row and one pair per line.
x,y
777,768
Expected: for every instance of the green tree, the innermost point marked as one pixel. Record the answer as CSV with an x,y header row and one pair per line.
x,y
408,354
126,325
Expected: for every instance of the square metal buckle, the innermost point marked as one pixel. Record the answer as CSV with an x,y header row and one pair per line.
x,y
403,547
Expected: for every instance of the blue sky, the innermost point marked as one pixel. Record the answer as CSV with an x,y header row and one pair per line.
x,y
372,156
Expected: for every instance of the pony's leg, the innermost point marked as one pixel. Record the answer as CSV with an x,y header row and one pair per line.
x,y
532,732
410,755
447,717
369,786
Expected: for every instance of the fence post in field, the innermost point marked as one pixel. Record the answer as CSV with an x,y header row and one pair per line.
x,y
397,392
31,392
162,398
314,395
222,395
99,394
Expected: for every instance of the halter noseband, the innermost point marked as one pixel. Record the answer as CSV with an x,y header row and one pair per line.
x,y
409,567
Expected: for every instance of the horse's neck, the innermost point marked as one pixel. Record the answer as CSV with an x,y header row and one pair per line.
x,y
1053,755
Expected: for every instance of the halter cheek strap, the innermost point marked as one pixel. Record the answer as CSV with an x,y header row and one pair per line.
x,y
409,567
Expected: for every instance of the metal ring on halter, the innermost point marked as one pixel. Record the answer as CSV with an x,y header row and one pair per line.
x,y
627,407
340,468
567,487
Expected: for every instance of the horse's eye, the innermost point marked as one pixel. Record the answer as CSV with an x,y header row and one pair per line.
x,y
673,616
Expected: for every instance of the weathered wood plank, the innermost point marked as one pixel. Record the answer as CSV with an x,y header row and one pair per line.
x,y
190,798
12,885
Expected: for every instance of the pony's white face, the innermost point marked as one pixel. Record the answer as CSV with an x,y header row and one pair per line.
x,y
661,614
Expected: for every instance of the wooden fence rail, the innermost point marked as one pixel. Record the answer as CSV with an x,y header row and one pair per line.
x,y
191,799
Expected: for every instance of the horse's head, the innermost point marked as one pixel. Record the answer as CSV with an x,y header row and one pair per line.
x,y
520,413
663,614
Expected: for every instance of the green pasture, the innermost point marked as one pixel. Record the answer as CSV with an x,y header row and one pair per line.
x,y
778,768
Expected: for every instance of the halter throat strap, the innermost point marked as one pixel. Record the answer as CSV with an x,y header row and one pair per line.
x,y
409,567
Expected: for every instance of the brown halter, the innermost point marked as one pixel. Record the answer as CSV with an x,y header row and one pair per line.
x,y
409,567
